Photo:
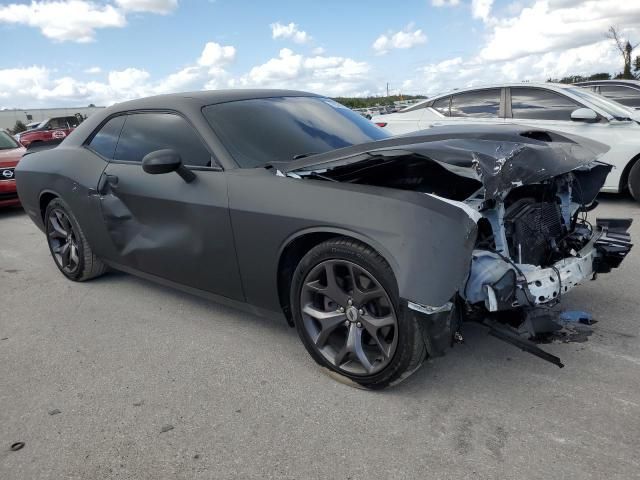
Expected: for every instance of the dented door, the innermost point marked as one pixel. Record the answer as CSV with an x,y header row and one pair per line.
x,y
161,225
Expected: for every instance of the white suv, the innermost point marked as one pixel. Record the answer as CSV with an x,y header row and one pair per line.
x,y
548,106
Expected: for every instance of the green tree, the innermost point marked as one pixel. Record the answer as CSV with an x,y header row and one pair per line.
x,y
580,78
18,127
365,102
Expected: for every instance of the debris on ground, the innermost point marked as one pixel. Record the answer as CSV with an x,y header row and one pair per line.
x,y
166,428
17,446
577,316
55,411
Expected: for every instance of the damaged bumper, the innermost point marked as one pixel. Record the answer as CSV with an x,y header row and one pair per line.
x,y
439,325
501,284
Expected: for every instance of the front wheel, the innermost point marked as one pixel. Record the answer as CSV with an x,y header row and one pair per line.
x,y
69,248
346,310
634,181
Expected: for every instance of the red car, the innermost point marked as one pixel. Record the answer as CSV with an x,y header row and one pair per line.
x,y
51,129
10,154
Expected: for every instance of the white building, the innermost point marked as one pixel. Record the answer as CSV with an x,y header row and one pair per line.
x,y
8,117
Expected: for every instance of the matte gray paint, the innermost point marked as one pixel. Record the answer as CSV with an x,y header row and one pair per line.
x,y
223,233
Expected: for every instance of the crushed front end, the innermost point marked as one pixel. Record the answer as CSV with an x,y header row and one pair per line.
x,y
531,193
536,243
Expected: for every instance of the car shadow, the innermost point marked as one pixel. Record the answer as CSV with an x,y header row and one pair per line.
x,y
619,199
470,362
114,277
11,212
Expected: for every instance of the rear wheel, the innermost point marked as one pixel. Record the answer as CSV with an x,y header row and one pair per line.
x,y
346,309
634,181
69,248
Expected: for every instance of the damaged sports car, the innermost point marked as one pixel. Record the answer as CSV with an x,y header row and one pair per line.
x,y
376,248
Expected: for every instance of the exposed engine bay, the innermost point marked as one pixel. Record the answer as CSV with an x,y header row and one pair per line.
x,y
531,202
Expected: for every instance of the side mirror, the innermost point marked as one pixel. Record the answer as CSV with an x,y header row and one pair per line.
x,y
584,115
166,161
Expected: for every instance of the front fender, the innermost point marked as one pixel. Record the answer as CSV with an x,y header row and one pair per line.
x,y
427,241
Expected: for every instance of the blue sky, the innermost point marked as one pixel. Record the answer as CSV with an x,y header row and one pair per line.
x,y
141,47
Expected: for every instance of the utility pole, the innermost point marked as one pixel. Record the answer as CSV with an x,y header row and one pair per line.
x,y
387,89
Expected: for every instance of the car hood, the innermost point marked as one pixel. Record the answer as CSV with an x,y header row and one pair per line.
x,y
501,157
11,157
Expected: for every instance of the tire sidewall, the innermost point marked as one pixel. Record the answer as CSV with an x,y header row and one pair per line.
x,y
59,204
633,182
336,250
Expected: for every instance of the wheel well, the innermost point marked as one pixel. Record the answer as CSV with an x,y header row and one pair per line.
x,y
291,256
45,199
624,178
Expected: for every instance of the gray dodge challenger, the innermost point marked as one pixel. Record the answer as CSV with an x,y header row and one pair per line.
x,y
376,249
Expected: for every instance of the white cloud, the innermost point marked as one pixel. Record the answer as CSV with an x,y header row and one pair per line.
x,y
161,7
318,51
481,9
215,55
286,66
547,39
278,30
407,38
321,74
127,78
93,70
554,25
38,86
64,20
78,20
445,3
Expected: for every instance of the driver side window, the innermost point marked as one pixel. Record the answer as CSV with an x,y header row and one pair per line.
x,y
144,133
539,104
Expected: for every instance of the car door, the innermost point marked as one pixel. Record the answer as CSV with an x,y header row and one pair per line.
x,y
482,106
544,108
160,224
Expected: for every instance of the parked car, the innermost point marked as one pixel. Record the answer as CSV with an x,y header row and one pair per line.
x,y
51,129
564,108
29,126
10,154
625,92
291,205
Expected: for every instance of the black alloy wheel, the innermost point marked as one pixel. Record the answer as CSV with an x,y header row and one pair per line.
x,y
346,308
69,247
349,317
63,241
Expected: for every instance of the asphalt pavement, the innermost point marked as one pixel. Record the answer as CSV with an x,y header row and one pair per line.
x,y
122,378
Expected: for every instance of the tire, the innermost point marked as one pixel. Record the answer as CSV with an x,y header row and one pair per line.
x,y
633,181
353,325
62,228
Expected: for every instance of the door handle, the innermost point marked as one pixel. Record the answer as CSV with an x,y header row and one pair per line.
x,y
106,181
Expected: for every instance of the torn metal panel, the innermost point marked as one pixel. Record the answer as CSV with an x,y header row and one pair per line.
x,y
502,159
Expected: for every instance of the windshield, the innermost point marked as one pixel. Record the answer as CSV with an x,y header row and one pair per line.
x,y
6,142
616,110
264,130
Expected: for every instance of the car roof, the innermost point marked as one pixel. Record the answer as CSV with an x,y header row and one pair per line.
x,y
634,83
547,85
206,97
187,103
